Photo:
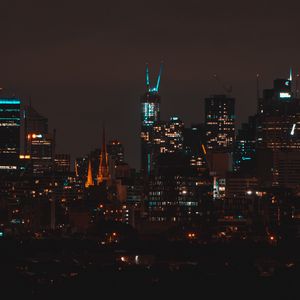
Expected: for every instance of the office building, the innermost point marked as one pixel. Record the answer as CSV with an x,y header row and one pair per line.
x,y
220,123
168,137
34,123
245,147
9,134
41,149
62,163
194,139
278,122
115,150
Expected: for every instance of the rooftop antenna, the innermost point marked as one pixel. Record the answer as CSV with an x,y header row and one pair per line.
x,y
158,77
257,85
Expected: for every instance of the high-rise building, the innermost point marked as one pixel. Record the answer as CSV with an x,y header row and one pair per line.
x,y
150,115
9,134
34,123
279,168
286,169
81,167
176,195
41,149
39,143
220,123
194,139
245,146
62,163
168,136
279,117
115,151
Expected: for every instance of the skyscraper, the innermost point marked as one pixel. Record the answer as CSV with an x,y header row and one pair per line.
x,y
62,163
115,150
279,117
33,123
245,146
9,134
150,115
194,139
168,136
41,149
220,123
39,143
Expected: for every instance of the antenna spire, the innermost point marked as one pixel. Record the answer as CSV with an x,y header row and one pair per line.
x,y
257,85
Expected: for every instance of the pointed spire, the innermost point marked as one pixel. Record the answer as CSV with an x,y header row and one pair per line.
x,y
76,168
103,172
158,77
89,181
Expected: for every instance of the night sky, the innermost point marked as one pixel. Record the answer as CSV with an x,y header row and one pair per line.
x,y
83,62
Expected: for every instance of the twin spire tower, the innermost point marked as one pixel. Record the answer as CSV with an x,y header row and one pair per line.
x,y
156,87
150,115
103,170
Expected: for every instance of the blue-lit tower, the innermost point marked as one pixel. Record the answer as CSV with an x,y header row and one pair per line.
x,y
150,115
9,134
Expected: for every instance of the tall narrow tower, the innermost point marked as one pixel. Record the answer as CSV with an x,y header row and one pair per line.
x,y
103,172
150,114
89,181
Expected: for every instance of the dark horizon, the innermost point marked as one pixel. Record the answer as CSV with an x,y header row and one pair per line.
x,y
82,65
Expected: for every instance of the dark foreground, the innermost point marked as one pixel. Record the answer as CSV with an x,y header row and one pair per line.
x,y
77,268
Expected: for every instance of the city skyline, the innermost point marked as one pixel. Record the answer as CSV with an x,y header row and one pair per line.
x,y
98,53
133,157
149,147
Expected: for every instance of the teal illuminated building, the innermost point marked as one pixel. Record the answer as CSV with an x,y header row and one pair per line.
x,y
9,134
150,115
245,146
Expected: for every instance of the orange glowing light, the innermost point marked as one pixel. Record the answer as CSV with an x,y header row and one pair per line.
x,y
203,148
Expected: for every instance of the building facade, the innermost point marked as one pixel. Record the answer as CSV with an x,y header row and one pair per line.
x,y
10,121
220,123
150,115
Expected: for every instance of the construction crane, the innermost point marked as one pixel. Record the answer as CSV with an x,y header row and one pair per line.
x,y
227,88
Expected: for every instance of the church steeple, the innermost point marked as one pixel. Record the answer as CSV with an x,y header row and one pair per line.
x,y
103,172
89,180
